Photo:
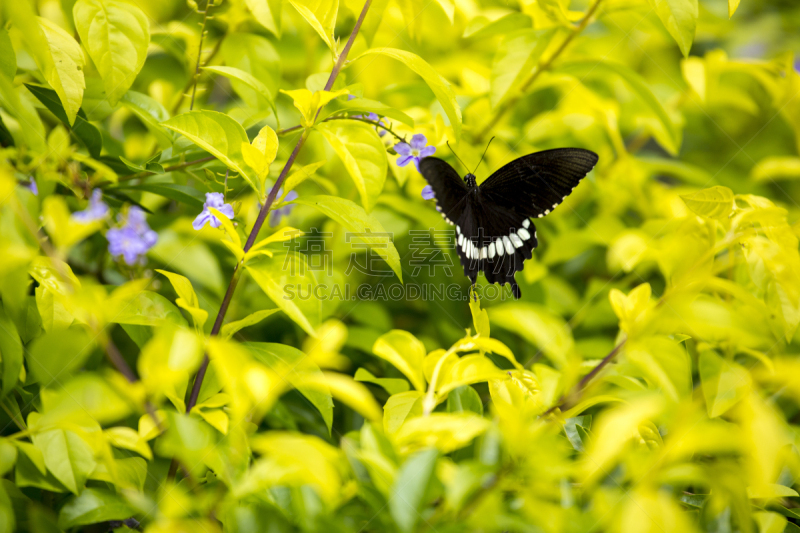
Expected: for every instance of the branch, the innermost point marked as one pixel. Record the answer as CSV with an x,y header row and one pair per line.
x,y
579,388
262,214
541,67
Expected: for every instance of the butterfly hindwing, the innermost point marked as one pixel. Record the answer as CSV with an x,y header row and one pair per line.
x,y
535,184
447,185
494,241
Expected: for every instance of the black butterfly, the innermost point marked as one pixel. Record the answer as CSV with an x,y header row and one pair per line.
x,y
493,227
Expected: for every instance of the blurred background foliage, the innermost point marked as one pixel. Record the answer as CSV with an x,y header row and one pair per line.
x,y
646,381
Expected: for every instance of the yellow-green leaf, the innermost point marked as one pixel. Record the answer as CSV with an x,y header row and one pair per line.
x,y
680,19
116,34
364,227
724,382
715,202
284,278
321,15
537,325
219,135
361,150
440,86
346,390
445,431
267,13
405,352
230,329
187,298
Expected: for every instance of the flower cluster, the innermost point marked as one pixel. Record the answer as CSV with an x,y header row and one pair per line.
x,y
133,239
217,201
97,210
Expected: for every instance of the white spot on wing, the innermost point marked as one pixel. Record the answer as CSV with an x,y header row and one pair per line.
x,y
498,245
460,239
509,246
526,223
524,234
491,250
516,240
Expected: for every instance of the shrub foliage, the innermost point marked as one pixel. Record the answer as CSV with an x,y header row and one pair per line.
x,y
226,306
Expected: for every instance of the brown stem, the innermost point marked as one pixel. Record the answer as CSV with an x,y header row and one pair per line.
x,y
192,83
262,214
541,67
572,396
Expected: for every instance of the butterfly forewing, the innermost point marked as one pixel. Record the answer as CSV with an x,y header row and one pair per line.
x,y
447,185
494,233
535,184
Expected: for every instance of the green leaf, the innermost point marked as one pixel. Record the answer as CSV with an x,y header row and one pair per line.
x,y
187,298
56,53
267,13
733,5
256,55
609,69
143,308
360,223
67,457
440,86
680,19
10,352
92,506
774,168
116,35
481,27
57,354
85,394
517,56
361,150
365,106
219,135
464,399
8,58
400,407
446,431
405,352
321,15
715,202
281,357
247,80
288,281
663,364
152,113
480,318
346,390
30,128
180,193
408,493
390,385
8,456
85,131
538,326
724,382
231,328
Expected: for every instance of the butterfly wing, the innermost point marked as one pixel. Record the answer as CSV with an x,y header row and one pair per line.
x,y
535,184
447,185
493,240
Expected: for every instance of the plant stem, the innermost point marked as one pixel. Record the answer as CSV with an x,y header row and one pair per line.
x,y
192,83
262,214
348,117
572,396
543,65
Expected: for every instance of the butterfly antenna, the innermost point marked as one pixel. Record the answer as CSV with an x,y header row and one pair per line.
x,y
455,154
484,154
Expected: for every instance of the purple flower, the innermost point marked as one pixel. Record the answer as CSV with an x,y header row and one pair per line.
x,y
31,186
414,151
217,201
276,214
351,97
97,210
132,240
427,193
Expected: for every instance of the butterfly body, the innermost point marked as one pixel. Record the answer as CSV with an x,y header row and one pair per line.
x,y
494,231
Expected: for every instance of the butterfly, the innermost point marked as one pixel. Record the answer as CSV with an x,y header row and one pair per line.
x,y
493,228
